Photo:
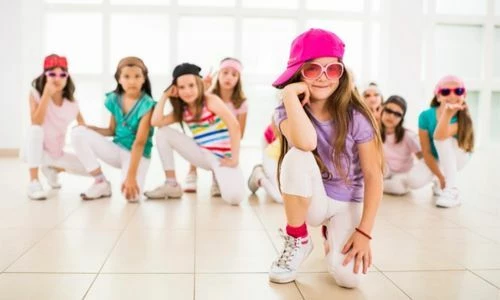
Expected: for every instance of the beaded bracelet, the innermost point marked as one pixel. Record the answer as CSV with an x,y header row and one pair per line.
x,y
363,233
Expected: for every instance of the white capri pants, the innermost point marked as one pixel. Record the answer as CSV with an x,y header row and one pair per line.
x,y
91,146
37,157
300,176
451,160
230,180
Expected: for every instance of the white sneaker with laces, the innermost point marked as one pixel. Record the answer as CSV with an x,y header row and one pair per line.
x,y
448,198
166,190
35,191
253,180
295,251
52,177
97,190
214,189
190,183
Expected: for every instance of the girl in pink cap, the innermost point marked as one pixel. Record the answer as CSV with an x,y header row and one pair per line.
x,y
447,138
52,109
330,167
230,89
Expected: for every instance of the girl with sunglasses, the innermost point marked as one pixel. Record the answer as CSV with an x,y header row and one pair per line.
x,y
447,138
400,147
216,135
52,108
131,106
229,88
330,165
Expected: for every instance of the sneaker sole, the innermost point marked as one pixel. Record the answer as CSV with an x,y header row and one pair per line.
x,y
282,280
38,198
191,191
84,197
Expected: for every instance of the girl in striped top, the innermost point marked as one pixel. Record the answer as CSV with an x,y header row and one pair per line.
x,y
216,136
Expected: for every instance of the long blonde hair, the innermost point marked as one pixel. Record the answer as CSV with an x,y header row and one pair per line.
x,y
340,106
465,128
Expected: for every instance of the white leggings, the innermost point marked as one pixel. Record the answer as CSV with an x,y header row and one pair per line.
x,y
300,176
451,160
270,182
36,157
90,146
230,180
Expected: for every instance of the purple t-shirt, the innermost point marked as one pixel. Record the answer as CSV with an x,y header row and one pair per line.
x,y
360,131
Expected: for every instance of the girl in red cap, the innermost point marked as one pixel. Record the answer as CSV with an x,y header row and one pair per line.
x,y
216,136
330,167
52,108
229,88
447,138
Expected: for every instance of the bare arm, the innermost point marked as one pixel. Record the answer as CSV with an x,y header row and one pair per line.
x,y
108,131
444,129
242,120
38,110
430,161
79,119
139,143
297,128
158,119
217,106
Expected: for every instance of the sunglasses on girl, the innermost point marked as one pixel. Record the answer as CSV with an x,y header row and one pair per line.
x,y
395,113
55,74
314,70
446,91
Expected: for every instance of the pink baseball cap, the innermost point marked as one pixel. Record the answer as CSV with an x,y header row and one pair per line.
x,y
311,44
448,78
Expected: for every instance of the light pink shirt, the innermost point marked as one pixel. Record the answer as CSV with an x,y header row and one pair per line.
x,y
55,124
399,157
242,110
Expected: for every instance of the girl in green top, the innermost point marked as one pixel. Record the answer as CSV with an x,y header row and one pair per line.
x,y
130,105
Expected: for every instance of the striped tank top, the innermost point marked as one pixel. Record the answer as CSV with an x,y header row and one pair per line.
x,y
210,132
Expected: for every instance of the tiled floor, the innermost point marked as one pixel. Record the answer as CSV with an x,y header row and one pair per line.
x,y
200,248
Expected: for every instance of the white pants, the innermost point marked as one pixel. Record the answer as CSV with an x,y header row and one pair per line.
x,y
300,176
451,160
230,180
36,157
270,183
91,146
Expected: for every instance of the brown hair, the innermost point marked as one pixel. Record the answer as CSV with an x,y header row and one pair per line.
x,y
68,90
465,127
132,61
238,96
340,106
179,105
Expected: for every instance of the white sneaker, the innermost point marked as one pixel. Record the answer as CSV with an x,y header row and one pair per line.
x,y
253,180
97,190
166,190
296,250
448,198
436,188
52,177
35,191
214,189
190,183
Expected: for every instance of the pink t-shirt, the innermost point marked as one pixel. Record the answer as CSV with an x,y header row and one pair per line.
x,y
242,110
55,124
399,157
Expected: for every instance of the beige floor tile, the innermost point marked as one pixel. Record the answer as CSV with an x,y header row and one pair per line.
x,y
142,286
491,233
14,242
152,251
442,285
322,286
492,276
164,214
242,287
227,217
72,251
44,286
472,256
36,214
102,214
233,251
447,235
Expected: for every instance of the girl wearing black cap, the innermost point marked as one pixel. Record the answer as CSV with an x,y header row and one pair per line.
x,y
400,146
216,136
